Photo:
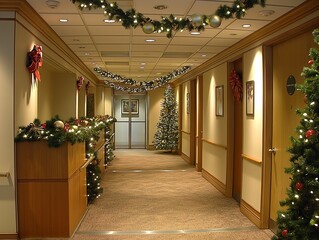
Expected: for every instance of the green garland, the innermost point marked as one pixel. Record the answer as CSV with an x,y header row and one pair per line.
x,y
132,18
87,130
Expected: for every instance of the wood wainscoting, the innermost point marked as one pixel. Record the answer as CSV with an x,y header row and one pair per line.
x,y
8,236
51,189
214,181
251,213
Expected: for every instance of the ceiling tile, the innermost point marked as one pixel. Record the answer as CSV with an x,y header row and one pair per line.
x,y
70,30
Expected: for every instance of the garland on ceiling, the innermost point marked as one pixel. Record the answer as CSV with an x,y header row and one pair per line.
x,y
136,85
132,18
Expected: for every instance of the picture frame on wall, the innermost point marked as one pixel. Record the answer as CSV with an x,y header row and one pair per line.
x,y
130,106
250,98
219,100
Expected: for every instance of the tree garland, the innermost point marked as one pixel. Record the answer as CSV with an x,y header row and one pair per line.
x,y
132,18
142,86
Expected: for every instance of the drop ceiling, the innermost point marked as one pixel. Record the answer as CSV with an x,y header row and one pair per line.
x,y
125,51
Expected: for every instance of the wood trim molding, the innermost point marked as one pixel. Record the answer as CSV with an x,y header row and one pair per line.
x,y
251,159
251,213
186,158
8,236
270,31
214,144
185,132
214,181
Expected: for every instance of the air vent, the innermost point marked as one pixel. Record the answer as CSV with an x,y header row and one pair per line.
x,y
176,54
114,54
117,63
53,3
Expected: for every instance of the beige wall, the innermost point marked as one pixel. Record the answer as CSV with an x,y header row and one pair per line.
x,y
7,185
185,120
214,127
155,98
108,97
252,130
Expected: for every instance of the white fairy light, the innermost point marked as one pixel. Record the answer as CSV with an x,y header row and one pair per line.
x,y
312,103
297,196
305,114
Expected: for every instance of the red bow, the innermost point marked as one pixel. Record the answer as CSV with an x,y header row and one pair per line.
x,y
35,61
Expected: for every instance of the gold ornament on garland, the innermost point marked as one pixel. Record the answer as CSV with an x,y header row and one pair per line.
x,y
214,21
197,22
148,28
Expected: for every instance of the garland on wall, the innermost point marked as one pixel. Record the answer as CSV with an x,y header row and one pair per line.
x,y
132,18
87,130
139,86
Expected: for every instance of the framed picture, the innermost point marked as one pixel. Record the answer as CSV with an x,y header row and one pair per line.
x,y
219,95
187,103
129,106
250,98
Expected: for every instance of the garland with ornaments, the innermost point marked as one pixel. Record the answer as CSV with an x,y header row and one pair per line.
x,y
170,24
87,130
142,86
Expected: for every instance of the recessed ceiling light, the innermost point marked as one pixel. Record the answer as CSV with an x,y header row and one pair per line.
x,y
63,20
109,20
143,63
141,67
86,54
52,3
246,25
195,33
159,73
150,40
204,55
266,13
160,7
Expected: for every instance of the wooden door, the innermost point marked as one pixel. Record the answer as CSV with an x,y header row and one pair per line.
x,y
289,58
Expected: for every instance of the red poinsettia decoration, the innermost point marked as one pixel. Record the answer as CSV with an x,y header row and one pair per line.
x,y
79,83
35,62
236,85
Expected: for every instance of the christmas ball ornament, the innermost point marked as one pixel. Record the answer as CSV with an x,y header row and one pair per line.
x,y
299,186
148,28
44,125
310,133
284,233
75,127
215,21
59,124
310,62
197,20
66,126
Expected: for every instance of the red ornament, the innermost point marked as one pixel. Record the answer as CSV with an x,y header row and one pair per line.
x,y
284,233
79,83
299,186
44,125
310,62
35,61
310,133
66,126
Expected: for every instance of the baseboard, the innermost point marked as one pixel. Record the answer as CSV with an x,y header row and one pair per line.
x,y
214,181
251,213
8,236
273,226
186,158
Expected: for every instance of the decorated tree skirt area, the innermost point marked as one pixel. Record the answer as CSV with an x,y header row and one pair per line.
x,y
58,170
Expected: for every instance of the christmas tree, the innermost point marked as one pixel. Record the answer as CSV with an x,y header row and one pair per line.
x,y
166,136
300,218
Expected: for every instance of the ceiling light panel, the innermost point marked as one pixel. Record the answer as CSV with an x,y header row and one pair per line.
x,y
255,24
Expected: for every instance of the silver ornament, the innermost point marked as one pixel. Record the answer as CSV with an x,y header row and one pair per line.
x,y
215,21
59,124
197,20
148,28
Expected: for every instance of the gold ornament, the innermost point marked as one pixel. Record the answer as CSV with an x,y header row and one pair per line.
x,y
197,20
215,21
59,124
148,28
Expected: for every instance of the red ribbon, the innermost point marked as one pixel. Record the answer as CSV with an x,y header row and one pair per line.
x,y
35,61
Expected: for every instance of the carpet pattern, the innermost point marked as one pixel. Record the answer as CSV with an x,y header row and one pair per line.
x,y
152,195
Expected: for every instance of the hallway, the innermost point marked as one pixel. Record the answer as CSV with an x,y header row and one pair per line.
x,y
155,195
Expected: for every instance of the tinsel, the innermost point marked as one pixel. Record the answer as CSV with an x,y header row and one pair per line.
x,y
143,86
169,24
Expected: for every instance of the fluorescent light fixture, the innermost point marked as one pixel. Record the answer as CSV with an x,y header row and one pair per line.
x,y
195,33
109,20
63,20
246,25
150,40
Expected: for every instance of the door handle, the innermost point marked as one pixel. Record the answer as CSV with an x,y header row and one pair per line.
x,y
273,150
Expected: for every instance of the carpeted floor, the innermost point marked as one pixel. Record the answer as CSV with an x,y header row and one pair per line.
x,y
150,195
